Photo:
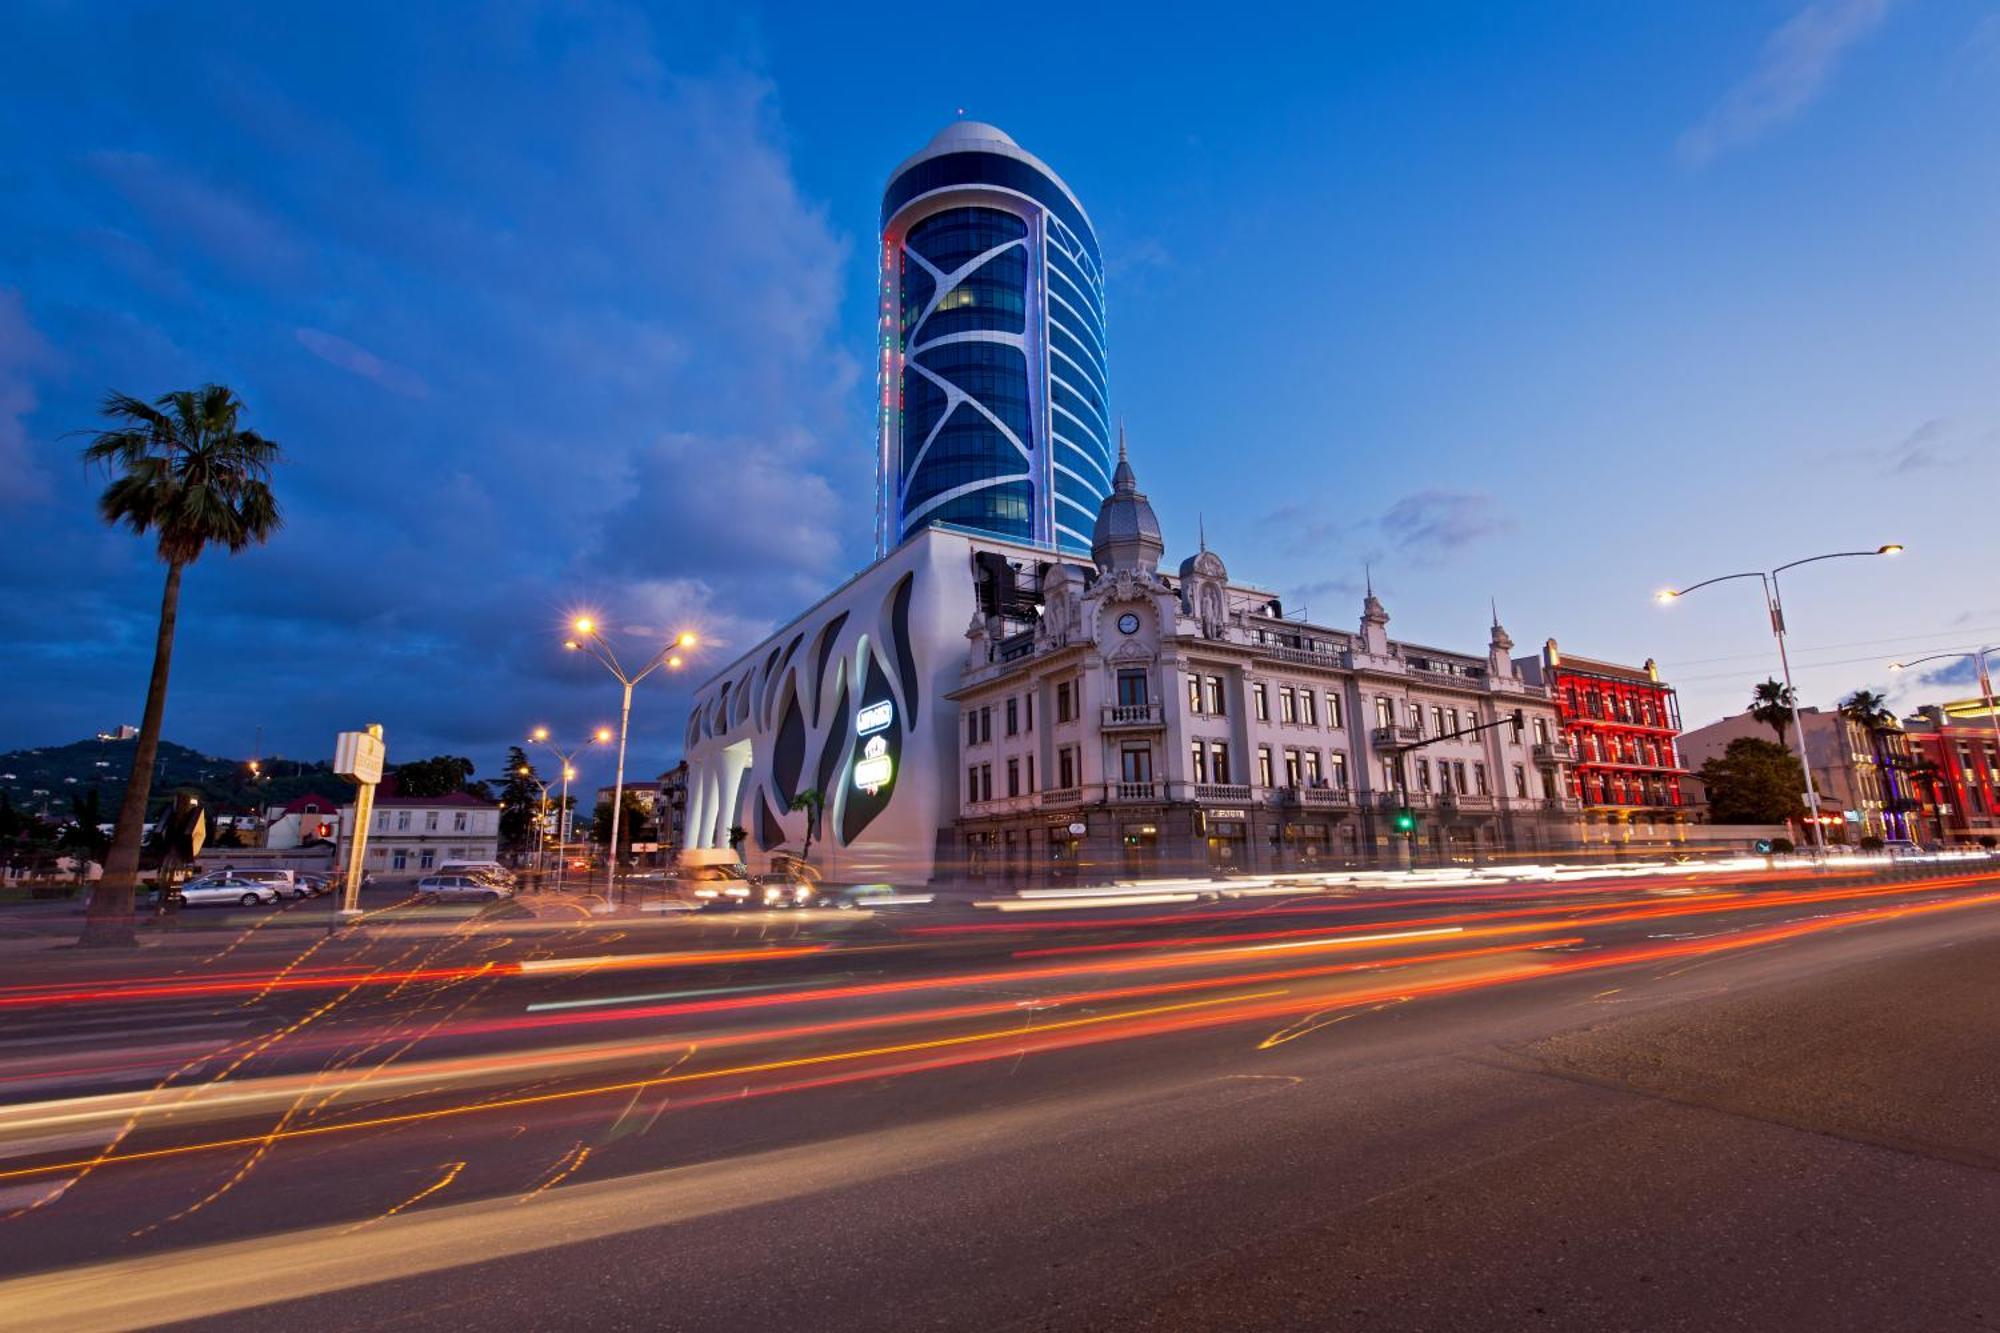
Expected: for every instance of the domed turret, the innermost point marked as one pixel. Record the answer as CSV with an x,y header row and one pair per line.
x,y
1127,535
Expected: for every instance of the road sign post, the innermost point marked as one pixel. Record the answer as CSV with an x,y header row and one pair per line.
x,y
358,756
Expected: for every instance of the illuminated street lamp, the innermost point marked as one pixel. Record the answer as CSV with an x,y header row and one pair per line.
x,y
540,736
1774,603
587,640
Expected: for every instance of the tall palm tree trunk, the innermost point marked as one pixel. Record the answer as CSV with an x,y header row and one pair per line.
x,y
109,922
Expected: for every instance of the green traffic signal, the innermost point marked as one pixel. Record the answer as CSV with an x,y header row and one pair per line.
x,y
1405,821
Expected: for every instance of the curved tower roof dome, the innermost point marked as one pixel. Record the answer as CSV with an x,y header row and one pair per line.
x,y
1127,534
970,131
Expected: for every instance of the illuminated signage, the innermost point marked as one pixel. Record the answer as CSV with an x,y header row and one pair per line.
x,y
874,769
874,718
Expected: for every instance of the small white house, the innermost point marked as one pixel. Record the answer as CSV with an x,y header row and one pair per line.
x,y
410,835
304,819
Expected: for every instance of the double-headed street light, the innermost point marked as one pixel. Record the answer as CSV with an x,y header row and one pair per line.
x,y
587,639
1775,604
540,736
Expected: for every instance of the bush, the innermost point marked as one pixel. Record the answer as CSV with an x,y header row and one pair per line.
x,y
1783,847
1870,843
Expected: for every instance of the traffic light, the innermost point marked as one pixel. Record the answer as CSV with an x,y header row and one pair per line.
x,y
1405,820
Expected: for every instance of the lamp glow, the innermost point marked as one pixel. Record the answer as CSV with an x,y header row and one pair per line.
x,y
603,735
685,639
1665,595
674,661
584,625
1893,548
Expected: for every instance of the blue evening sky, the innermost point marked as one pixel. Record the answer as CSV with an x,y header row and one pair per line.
x,y
572,304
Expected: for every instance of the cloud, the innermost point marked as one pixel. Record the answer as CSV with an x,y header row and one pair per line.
x,y
1428,525
22,352
1918,451
1137,254
1797,62
186,206
337,351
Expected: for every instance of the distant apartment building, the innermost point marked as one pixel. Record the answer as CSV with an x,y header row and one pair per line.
x,y
414,834
1622,723
1862,776
1956,776
672,811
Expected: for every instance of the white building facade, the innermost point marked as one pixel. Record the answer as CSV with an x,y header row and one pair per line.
x,y
975,709
413,835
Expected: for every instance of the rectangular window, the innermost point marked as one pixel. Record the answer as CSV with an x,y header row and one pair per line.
x,y
1312,772
1444,777
1389,782
1291,768
458,821
1385,714
1337,764
1458,776
1132,689
1031,773
1423,775
1218,762
1013,777
399,859
1215,703
1437,721
971,727
1136,763
1479,780
1260,701
985,724
1288,704
1417,718
1308,710
972,783
426,859
1264,766
986,782
1028,702
1333,718
1064,711
382,821
1013,716
1198,759
1066,766
1194,694
402,821
1451,720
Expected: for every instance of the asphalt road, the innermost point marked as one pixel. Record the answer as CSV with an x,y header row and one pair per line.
x,y
1754,1101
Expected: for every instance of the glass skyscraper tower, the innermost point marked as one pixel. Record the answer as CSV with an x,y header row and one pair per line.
x,y
994,398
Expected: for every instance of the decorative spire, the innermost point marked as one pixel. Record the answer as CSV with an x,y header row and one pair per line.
x,y
1368,577
1201,526
1124,481
1494,602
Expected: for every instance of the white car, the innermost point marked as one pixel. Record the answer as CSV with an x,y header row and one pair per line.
x,y
461,889
286,882
492,870
222,889
722,887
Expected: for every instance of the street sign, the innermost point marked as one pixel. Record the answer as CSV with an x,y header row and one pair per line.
x,y
1079,828
357,756
645,846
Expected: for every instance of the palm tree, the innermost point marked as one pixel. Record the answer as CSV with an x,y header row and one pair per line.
x,y
184,472
811,801
1870,711
1771,703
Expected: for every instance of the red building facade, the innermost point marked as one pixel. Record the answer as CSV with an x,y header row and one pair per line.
x,y
1956,776
1622,723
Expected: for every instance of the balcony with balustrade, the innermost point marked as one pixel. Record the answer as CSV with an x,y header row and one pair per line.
x,y
1134,717
1401,733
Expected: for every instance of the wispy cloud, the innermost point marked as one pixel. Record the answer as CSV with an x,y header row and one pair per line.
x,y
22,352
1920,449
1794,68
1430,524
337,351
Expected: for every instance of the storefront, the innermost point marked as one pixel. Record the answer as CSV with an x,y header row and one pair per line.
x,y
1228,833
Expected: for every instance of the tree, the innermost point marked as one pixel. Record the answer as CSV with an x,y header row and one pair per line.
x,y
440,775
1771,703
1754,782
82,839
520,803
634,825
812,801
184,471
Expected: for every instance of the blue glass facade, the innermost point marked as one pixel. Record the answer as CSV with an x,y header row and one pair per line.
x,y
995,399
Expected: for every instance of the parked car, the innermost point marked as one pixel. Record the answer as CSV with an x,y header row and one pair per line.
x,y
208,890
315,883
486,869
286,882
461,889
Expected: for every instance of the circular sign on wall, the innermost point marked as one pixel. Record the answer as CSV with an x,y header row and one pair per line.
x,y
1079,829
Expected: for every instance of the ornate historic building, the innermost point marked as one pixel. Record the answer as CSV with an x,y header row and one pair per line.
x,y
1621,723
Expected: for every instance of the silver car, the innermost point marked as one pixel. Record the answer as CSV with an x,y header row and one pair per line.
x,y
225,890
460,889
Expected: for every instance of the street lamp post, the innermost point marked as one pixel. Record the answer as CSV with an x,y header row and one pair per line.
x,y
541,821
1775,605
540,736
1985,681
588,640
